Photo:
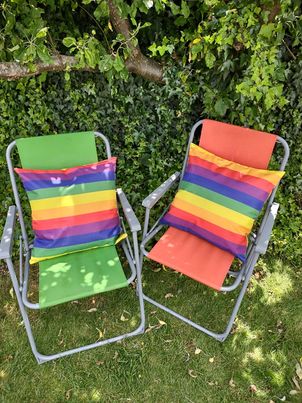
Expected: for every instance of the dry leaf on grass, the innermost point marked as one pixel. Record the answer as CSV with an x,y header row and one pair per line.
x,y
296,382
157,269
299,370
101,333
232,383
68,394
197,351
92,310
99,363
293,392
160,324
211,360
169,295
124,318
253,388
192,373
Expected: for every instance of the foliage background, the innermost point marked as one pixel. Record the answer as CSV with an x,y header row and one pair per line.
x,y
238,62
148,126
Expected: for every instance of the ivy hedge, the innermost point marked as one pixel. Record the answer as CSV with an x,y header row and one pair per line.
x,y
148,125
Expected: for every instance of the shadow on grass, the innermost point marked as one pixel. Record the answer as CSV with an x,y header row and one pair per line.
x,y
172,362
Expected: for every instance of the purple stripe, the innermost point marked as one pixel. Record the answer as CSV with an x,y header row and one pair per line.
x,y
77,239
224,180
237,250
53,234
81,171
57,181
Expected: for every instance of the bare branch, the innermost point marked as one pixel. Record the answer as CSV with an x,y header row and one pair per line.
x,y
14,70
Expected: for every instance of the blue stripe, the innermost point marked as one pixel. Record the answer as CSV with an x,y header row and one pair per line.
x,y
236,184
78,239
223,190
41,184
236,250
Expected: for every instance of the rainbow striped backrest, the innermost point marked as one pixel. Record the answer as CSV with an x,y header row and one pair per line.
x,y
218,200
73,209
62,169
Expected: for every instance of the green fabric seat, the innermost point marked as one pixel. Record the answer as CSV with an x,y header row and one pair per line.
x,y
79,275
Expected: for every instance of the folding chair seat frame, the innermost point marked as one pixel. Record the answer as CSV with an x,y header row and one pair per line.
x,y
258,243
20,284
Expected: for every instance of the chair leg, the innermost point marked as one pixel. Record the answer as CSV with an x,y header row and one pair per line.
x,y
42,358
218,336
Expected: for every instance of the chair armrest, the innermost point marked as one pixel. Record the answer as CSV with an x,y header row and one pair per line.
x,y
7,238
128,212
263,238
158,193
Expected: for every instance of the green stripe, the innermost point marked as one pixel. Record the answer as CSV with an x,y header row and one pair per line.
x,y
70,190
219,199
45,252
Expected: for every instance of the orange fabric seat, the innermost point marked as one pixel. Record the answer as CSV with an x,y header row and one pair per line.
x,y
189,254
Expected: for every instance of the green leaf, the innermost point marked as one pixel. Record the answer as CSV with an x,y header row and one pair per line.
x,y
43,54
267,30
180,21
145,25
209,59
153,49
174,8
118,64
220,107
185,9
102,10
42,33
69,41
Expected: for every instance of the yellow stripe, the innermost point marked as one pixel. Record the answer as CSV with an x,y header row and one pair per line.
x,y
34,260
73,210
72,200
270,176
214,208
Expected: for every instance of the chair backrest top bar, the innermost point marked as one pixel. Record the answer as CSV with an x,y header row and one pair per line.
x,y
239,144
57,151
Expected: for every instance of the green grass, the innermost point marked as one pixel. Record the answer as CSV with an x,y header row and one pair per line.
x,y
172,362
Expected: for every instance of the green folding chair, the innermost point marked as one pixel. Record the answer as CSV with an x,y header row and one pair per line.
x,y
221,196
70,276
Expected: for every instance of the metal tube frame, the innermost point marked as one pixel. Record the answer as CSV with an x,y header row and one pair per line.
x,y
21,286
243,275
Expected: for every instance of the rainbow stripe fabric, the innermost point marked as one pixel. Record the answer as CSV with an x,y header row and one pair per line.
x,y
218,200
72,209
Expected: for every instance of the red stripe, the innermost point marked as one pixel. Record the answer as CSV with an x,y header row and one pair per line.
x,y
214,229
230,173
111,160
57,223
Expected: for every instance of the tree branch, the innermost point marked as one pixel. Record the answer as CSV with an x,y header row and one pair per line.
x,y
14,70
137,62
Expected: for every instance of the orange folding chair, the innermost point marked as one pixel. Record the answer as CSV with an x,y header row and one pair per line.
x,y
194,256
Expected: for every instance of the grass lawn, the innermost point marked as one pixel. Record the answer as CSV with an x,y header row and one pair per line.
x,y
172,362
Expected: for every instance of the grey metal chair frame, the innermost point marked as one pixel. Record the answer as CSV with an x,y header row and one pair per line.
x,y
258,243
20,282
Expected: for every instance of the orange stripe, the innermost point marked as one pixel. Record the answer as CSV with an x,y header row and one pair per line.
x,y
73,210
211,217
269,176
